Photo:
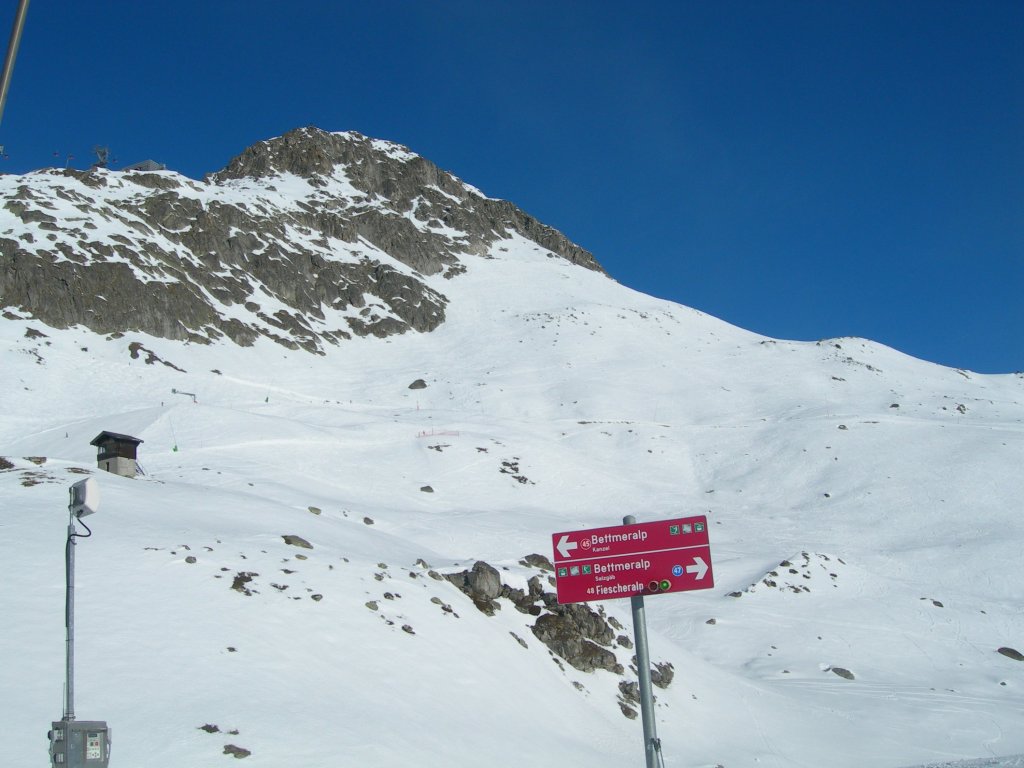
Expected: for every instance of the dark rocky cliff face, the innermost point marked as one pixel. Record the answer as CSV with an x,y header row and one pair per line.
x,y
306,239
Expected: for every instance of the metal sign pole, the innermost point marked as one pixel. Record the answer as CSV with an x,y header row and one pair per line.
x,y
633,560
652,745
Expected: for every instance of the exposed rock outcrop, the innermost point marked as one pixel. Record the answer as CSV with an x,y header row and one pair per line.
x,y
306,239
577,633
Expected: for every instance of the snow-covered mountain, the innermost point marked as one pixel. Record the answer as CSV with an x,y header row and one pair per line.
x,y
409,395
307,239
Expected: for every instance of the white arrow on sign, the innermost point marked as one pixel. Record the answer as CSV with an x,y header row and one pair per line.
x,y
699,567
565,546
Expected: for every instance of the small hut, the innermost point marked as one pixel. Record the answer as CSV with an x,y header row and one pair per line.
x,y
145,165
117,453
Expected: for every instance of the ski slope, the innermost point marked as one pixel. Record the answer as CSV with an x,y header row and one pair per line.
x,y
889,486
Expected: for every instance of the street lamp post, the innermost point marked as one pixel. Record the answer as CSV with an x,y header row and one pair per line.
x,y
77,743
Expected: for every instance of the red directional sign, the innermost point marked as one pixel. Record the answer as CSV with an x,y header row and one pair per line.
x,y
627,560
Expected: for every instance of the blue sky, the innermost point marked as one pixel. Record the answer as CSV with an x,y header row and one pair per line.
x,y
801,169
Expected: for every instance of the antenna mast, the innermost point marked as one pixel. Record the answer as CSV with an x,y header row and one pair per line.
x,y
102,156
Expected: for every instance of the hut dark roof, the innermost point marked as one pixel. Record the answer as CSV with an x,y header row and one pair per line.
x,y
102,437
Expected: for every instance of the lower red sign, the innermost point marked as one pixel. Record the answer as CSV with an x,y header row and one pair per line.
x,y
679,561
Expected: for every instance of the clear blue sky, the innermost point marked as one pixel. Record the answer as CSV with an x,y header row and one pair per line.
x,y
800,169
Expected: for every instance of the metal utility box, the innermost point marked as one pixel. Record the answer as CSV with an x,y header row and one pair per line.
x,y
80,744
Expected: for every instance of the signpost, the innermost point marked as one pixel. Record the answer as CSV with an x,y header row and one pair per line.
x,y
633,560
627,560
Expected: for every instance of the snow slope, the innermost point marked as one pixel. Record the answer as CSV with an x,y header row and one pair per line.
x,y
889,486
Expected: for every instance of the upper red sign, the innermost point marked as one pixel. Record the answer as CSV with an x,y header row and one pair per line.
x,y
627,560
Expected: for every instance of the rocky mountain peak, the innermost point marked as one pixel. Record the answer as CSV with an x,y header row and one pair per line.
x,y
338,232
311,152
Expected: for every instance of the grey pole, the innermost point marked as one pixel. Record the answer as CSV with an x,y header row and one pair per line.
x,y
69,622
76,744
12,53
652,745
